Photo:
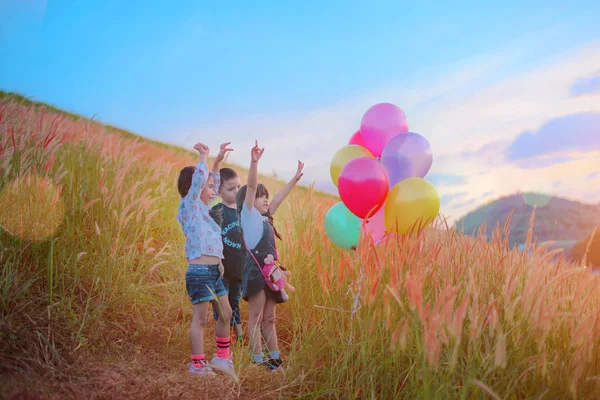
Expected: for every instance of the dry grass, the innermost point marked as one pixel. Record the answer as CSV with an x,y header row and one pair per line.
x,y
99,310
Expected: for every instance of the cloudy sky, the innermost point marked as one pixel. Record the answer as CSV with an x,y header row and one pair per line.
x,y
508,95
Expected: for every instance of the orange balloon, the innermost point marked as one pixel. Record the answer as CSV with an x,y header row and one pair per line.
x,y
343,156
413,203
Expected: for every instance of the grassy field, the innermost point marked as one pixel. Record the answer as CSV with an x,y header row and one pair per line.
x,y
93,301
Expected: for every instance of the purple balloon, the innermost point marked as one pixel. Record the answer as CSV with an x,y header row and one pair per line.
x,y
381,123
406,156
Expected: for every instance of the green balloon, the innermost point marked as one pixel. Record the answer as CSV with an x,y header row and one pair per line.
x,y
342,227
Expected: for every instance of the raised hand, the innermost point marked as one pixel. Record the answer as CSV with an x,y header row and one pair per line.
x,y
202,149
299,172
256,152
223,151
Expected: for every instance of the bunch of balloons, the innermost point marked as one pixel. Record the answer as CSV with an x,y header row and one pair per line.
x,y
379,176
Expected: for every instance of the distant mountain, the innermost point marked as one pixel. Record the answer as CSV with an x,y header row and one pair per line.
x,y
559,220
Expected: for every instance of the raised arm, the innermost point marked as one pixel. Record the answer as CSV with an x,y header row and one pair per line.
x,y
255,155
215,169
199,177
285,191
223,150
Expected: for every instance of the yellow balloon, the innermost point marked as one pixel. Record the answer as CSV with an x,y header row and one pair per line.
x,y
412,203
343,156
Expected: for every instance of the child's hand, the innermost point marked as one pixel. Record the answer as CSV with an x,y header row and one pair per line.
x,y
221,269
299,172
202,149
222,151
256,152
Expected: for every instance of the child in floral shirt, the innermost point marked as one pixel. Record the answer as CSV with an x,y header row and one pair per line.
x,y
204,251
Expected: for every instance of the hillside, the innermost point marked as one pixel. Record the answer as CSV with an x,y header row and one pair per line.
x,y
187,156
93,301
559,220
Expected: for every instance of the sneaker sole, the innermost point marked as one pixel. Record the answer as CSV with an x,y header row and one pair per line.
x,y
208,372
202,375
225,371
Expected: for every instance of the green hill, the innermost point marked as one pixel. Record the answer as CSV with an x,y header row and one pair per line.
x,y
560,219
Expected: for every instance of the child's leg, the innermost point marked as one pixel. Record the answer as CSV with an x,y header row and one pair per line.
x,y
224,309
222,360
222,328
235,293
197,329
215,305
256,305
268,327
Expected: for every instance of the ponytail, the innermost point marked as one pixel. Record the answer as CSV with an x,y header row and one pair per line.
x,y
268,215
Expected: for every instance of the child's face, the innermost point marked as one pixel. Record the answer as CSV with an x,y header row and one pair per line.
x,y
262,204
208,194
229,189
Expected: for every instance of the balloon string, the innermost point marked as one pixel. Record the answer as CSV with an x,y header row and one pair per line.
x,y
356,304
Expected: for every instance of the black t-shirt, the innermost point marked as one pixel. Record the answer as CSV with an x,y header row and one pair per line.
x,y
234,251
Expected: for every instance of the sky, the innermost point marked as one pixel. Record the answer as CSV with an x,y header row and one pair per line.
x,y
507,94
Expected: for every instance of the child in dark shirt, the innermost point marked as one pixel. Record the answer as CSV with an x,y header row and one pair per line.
x,y
234,252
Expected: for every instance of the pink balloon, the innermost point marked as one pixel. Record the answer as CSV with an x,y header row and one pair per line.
x,y
363,185
380,124
357,139
375,225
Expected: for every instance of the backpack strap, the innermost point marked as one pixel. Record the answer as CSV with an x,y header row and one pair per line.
x,y
250,250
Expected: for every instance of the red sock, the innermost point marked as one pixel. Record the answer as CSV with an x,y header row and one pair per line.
x,y
223,347
198,360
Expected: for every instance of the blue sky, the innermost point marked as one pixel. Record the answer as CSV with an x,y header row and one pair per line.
x,y
307,71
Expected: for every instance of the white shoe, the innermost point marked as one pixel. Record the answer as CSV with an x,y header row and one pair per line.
x,y
224,365
206,370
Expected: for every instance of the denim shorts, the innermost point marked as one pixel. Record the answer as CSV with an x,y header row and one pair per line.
x,y
235,294
200,279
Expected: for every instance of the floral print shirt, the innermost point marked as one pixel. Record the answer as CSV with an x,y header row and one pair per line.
x,y
202,234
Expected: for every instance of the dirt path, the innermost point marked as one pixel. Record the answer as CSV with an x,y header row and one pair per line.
x,y
127,380
153,376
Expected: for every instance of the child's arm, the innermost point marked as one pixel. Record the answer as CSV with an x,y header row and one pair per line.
x,y
215,169
255,154
199,177
283,193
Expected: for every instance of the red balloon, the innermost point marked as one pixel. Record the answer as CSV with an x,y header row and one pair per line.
x,y
357,139
363,185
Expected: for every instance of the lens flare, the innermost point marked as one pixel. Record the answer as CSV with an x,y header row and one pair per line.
x,y
537,192
31,208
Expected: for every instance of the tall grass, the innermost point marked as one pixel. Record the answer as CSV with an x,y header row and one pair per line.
x,y
109,275
442,315
432,315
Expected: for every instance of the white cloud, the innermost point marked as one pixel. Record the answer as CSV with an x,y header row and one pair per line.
x,y
586,85
317,134
454,111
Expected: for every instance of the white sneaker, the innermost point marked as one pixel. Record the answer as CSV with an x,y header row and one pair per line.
x,y
206,370
224,365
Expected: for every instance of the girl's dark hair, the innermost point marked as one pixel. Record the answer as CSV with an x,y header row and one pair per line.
x,y
185,180
183,185
261,190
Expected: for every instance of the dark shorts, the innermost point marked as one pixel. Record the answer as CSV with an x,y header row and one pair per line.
x,y
200,279
235,294
253,282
